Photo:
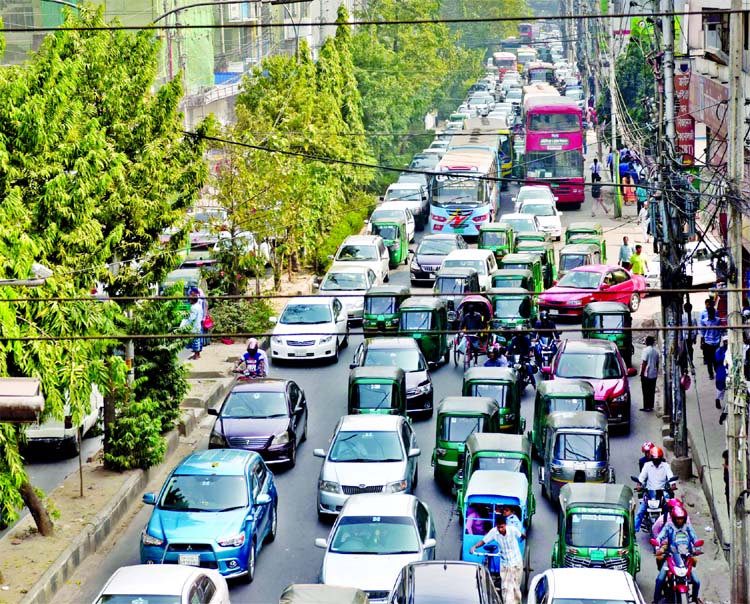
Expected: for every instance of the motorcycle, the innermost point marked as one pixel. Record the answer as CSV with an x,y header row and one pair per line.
x,y
545,349
679,571
525,368
250,373
656,505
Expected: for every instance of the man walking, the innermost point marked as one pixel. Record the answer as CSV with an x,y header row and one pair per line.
x,y
596,171
710,339
649,373
626,253
638,262
511,561
645,221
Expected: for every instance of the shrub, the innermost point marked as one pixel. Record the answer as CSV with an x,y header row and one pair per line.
x,y
241,316
137,440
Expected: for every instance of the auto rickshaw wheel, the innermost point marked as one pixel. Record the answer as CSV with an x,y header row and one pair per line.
x,y
455,355
467,356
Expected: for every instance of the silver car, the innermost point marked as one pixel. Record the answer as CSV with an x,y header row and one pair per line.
x,y
374,537
368,454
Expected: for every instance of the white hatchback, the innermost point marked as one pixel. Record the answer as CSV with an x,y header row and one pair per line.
x,y
547,215
482,260
582,585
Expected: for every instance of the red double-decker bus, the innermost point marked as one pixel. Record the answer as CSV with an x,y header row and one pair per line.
x,y
554,146
505,61
526,32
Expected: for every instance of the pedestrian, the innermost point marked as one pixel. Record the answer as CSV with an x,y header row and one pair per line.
x,y
611,164
626,253
193,324
688,335
649,373
592,101
596,195
644,219
511,561
641,196
721,373
638,262
596,171
725,466
628,190
707,303
710,339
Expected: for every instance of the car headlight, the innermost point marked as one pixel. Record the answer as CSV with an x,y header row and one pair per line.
x,y
395,487
623,398
328,486
280,439
277,340
217,439
232,540
147,539
414,266
326,339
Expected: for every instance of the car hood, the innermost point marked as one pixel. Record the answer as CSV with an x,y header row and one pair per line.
x,y
200,527
285,329
366,572
605,389
430,259
562,294
548,221
367,474
252,427
414,378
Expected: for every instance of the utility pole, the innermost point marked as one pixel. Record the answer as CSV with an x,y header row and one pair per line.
x,y
737,402
617,205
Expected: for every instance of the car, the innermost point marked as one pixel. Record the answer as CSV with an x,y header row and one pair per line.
x,y
483,261
440,581
217,508
415,177
424,161
369,453
189,277
391,209
264,415
698,266
406,354
373,538
440,144
592,283
598,362
546,214
533,193
514,95
309,327
351,281
522,222
429,255
439,152
583,586
161,583
412,195
498,114
365,250
244,242
207,221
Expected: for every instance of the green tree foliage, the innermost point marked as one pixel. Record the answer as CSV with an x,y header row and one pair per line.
x,y
487,34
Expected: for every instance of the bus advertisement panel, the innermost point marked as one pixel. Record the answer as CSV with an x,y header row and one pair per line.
x,y
465,191
554,146
505,61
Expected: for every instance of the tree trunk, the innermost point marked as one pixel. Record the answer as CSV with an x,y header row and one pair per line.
x,y
38,511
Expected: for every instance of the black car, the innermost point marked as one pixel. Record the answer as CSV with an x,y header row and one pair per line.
x,y
432,250
264,415
438,581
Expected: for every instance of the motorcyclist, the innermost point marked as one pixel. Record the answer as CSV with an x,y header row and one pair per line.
x,y
542,326
663,520
674,534
472,324
254,359
520,345
495,357
645,448
656,475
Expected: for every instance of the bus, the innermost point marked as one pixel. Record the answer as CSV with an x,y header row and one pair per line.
x,y
539,71
526,32
554,146
510,44
525,55
488,133
539,89
505,61
465,191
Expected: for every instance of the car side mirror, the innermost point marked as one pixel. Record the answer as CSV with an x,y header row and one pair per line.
x,y
213,411
415,452
273,320
319,453
263,499
428,543
149,498
412,251
321,542
353,365
632,372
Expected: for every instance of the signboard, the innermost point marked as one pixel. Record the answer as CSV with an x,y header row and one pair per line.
x,y
554,143
706,99
684,122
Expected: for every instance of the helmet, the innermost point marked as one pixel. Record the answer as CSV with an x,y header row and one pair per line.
x,y
252,345
544,315
647,446
678,513
493,350
656,453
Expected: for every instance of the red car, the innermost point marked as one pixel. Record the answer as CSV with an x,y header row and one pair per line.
x,y
599,363
592,283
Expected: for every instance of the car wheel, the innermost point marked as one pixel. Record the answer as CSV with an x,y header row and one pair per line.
x,y
271,536
292,457
250,575
635,302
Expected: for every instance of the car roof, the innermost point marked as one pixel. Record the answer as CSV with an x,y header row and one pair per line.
x,y
456,271
303,593
379,504
261,385
372,422
490,373
152,579
595,420
468,405
498,441
353,266
361,239
514,215
535,187
507,291
470,254
498,482
579,248
587,346
445,581
386,343
221,462
596,268
598,583
421,303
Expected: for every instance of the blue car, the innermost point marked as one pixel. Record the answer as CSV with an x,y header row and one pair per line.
x,y
216,510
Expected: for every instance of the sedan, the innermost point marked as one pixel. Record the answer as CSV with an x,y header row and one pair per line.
x,y
428,257
310,327
373,538
403,353
592,283
522,222
352,282
162,584
368,454
268,416
533,193
547,215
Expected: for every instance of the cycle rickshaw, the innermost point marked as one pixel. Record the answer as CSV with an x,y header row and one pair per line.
x,y
469,343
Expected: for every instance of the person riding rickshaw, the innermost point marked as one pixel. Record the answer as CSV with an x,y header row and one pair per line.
x,y
473,338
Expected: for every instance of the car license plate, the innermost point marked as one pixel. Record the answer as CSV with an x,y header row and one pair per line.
x,y
554,311
189,559
301,354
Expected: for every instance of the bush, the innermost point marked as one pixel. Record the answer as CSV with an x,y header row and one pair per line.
x,y
241,316
137,440
350,223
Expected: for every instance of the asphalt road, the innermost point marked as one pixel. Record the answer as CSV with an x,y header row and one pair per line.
x,y
293,556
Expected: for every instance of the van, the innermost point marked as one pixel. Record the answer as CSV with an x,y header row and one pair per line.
x,y
483,261
395,210
365,250
414,196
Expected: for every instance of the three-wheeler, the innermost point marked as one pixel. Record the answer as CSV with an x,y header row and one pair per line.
x,y
377,390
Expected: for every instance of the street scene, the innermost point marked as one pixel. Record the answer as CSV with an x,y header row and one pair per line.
x,y
320,335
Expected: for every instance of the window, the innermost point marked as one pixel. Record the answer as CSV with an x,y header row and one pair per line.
x,y
294,395
554,122
620,276
716,32
406,436
423,521
259,478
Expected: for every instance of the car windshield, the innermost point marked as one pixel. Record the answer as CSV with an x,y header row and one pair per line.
x,y
511,307
581,280
570,261
436,247
203,493
596,366
451,285
357,253
375,535
139,599
404,194
416,320
459,428
508,464
580,447
344,281
366,447
520,224
375,396
254,405
380,305
497,391
538,209
305,314
508,281
408,360
386,231
479,265
596,530
493,238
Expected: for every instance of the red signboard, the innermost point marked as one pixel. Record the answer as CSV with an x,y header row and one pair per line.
x,y
684,122
706,99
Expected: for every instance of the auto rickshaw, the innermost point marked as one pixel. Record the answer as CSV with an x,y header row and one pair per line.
x,y
528,262
610,321
519,147
539,236
380,315
593,240
377,390
578,254
471,346
393,232
557,395
426,320
512,277
494,452
496,236
487,493
547,254
576,449
511,307
453,283
304,593
458,417
595,528
583,228
501,384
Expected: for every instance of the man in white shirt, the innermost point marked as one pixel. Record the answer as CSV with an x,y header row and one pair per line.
x,y
649,373
656,475
507,538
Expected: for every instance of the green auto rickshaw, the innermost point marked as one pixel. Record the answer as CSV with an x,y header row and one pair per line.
x,y
529,262
512,277
574,255
452,283
459,417
547,255
585,232
484,451
519,148
496,236
309,593
539,236
610,321
596,528
557,395
511,307
379,390
380,314
501,384
426,320
395,237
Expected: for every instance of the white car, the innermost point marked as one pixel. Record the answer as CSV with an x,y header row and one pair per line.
x,y
351,282
533,193
414,195
547,215
172,583
482,260
393,209
365,250
244,242
698,265
440,144
521,222
310,327
582,585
